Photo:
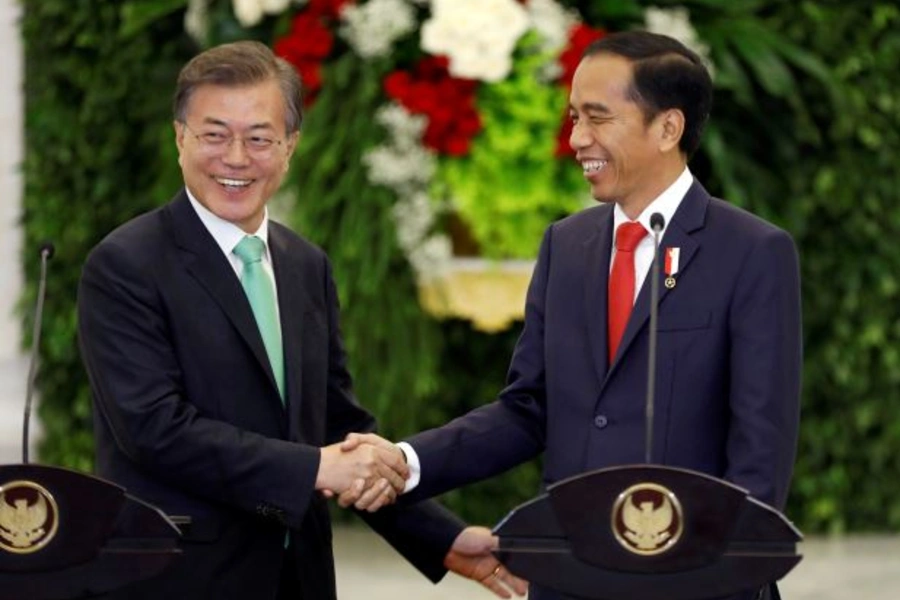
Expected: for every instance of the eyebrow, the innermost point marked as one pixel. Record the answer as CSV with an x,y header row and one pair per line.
x,y
593,107
221,123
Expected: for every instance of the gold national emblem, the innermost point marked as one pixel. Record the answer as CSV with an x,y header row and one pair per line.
x,y
28,517
647,519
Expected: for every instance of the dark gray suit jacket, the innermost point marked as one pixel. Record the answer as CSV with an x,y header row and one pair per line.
x,y
188,416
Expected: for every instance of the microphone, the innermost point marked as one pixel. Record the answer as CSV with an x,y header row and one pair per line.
x,y
657,224
46,253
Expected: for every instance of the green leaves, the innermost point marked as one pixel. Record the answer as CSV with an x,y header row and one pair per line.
x,y
805,132
93,124
137,16
511,186
393,346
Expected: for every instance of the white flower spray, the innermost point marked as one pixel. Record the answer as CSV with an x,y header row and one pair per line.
x,y
371,29
406,167
676,23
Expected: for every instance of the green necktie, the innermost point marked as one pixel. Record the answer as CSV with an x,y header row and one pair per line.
x,y
261,294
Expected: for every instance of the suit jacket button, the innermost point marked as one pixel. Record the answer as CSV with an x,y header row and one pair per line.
x,y
600,421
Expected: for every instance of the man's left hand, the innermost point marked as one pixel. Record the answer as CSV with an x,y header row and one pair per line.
x,y
471,557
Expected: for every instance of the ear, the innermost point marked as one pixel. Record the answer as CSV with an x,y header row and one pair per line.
x,y
291,142
671,128
179,139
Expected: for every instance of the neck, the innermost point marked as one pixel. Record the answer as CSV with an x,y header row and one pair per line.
x,y
666,176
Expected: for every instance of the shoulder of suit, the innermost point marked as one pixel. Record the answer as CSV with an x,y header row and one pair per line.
x,y
589,217
293,240
740,221
139,235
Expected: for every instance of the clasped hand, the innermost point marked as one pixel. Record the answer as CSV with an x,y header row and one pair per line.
x,y
373,472
365,471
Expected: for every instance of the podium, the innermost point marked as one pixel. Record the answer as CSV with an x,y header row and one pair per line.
x,y
65,534
648,532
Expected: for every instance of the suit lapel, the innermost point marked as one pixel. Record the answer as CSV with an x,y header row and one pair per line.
x,y
204,260
291,307
689,217
597,251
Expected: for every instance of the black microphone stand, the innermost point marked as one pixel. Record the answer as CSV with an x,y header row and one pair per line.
x,y
47,251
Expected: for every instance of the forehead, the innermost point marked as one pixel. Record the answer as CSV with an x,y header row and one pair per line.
x,y
602,78
245,105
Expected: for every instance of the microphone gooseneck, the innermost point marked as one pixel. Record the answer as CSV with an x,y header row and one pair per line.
x,y
46,252
657,224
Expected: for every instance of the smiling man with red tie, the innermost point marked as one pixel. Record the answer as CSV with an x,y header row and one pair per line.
x,y
729,338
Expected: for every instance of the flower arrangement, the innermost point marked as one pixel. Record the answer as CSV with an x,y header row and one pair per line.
x,y
474,109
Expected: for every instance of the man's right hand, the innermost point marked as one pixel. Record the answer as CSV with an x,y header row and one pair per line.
x,y
377,473
360,497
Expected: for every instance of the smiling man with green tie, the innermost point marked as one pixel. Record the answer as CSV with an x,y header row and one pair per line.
x,y
220,385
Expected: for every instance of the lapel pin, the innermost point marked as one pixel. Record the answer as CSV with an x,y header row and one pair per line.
x,y
671,267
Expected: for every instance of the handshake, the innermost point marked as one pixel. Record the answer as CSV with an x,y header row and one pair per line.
x,y
369,472
365,471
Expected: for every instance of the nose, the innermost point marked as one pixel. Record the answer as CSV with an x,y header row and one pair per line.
x,y
579,138
236,153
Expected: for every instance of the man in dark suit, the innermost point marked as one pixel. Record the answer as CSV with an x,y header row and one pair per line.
x,y
729,354
210,335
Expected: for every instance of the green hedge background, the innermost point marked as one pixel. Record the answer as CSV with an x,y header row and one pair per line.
x,y
806,132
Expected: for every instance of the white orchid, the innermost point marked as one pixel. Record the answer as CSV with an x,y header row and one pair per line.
x,y
478,36
251,12
676,23
552,22
196,20
372,28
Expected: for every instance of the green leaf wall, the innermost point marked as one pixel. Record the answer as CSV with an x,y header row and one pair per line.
x,y
806,132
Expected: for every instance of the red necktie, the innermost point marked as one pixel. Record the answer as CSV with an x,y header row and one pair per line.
x,y
621,283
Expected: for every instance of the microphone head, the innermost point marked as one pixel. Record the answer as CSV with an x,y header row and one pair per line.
x,y
657,222
47,249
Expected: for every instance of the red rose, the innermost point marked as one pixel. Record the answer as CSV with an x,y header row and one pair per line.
x,y
447,102
396,85
580,37
313,39
457,146
562,138
330,9
309,43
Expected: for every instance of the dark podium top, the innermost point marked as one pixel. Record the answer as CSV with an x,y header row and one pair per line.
x,y
64,534
648,532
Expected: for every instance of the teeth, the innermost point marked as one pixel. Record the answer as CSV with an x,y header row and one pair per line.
x,y
233,182
592,166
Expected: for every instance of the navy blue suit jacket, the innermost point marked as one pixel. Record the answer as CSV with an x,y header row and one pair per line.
x,y
729,362
188,416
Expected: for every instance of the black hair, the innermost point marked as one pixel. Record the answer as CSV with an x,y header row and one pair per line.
x,y
666,75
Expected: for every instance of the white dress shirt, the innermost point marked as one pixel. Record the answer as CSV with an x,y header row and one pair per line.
x,y
665,204
227,235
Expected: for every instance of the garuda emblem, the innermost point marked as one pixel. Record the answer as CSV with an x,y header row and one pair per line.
x,y
647,519
28,517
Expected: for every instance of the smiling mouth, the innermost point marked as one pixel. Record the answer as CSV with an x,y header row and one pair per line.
x,y
233,183
592,166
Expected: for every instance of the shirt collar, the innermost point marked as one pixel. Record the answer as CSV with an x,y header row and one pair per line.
x,y
226,233
665,204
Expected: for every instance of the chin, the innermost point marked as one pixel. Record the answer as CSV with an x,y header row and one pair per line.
x,y
602,196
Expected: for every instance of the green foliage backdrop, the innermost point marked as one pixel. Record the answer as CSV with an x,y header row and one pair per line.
x,y
846,197
94,117
808,147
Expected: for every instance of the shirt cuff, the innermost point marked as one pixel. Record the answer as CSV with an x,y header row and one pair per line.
x,y
415,468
